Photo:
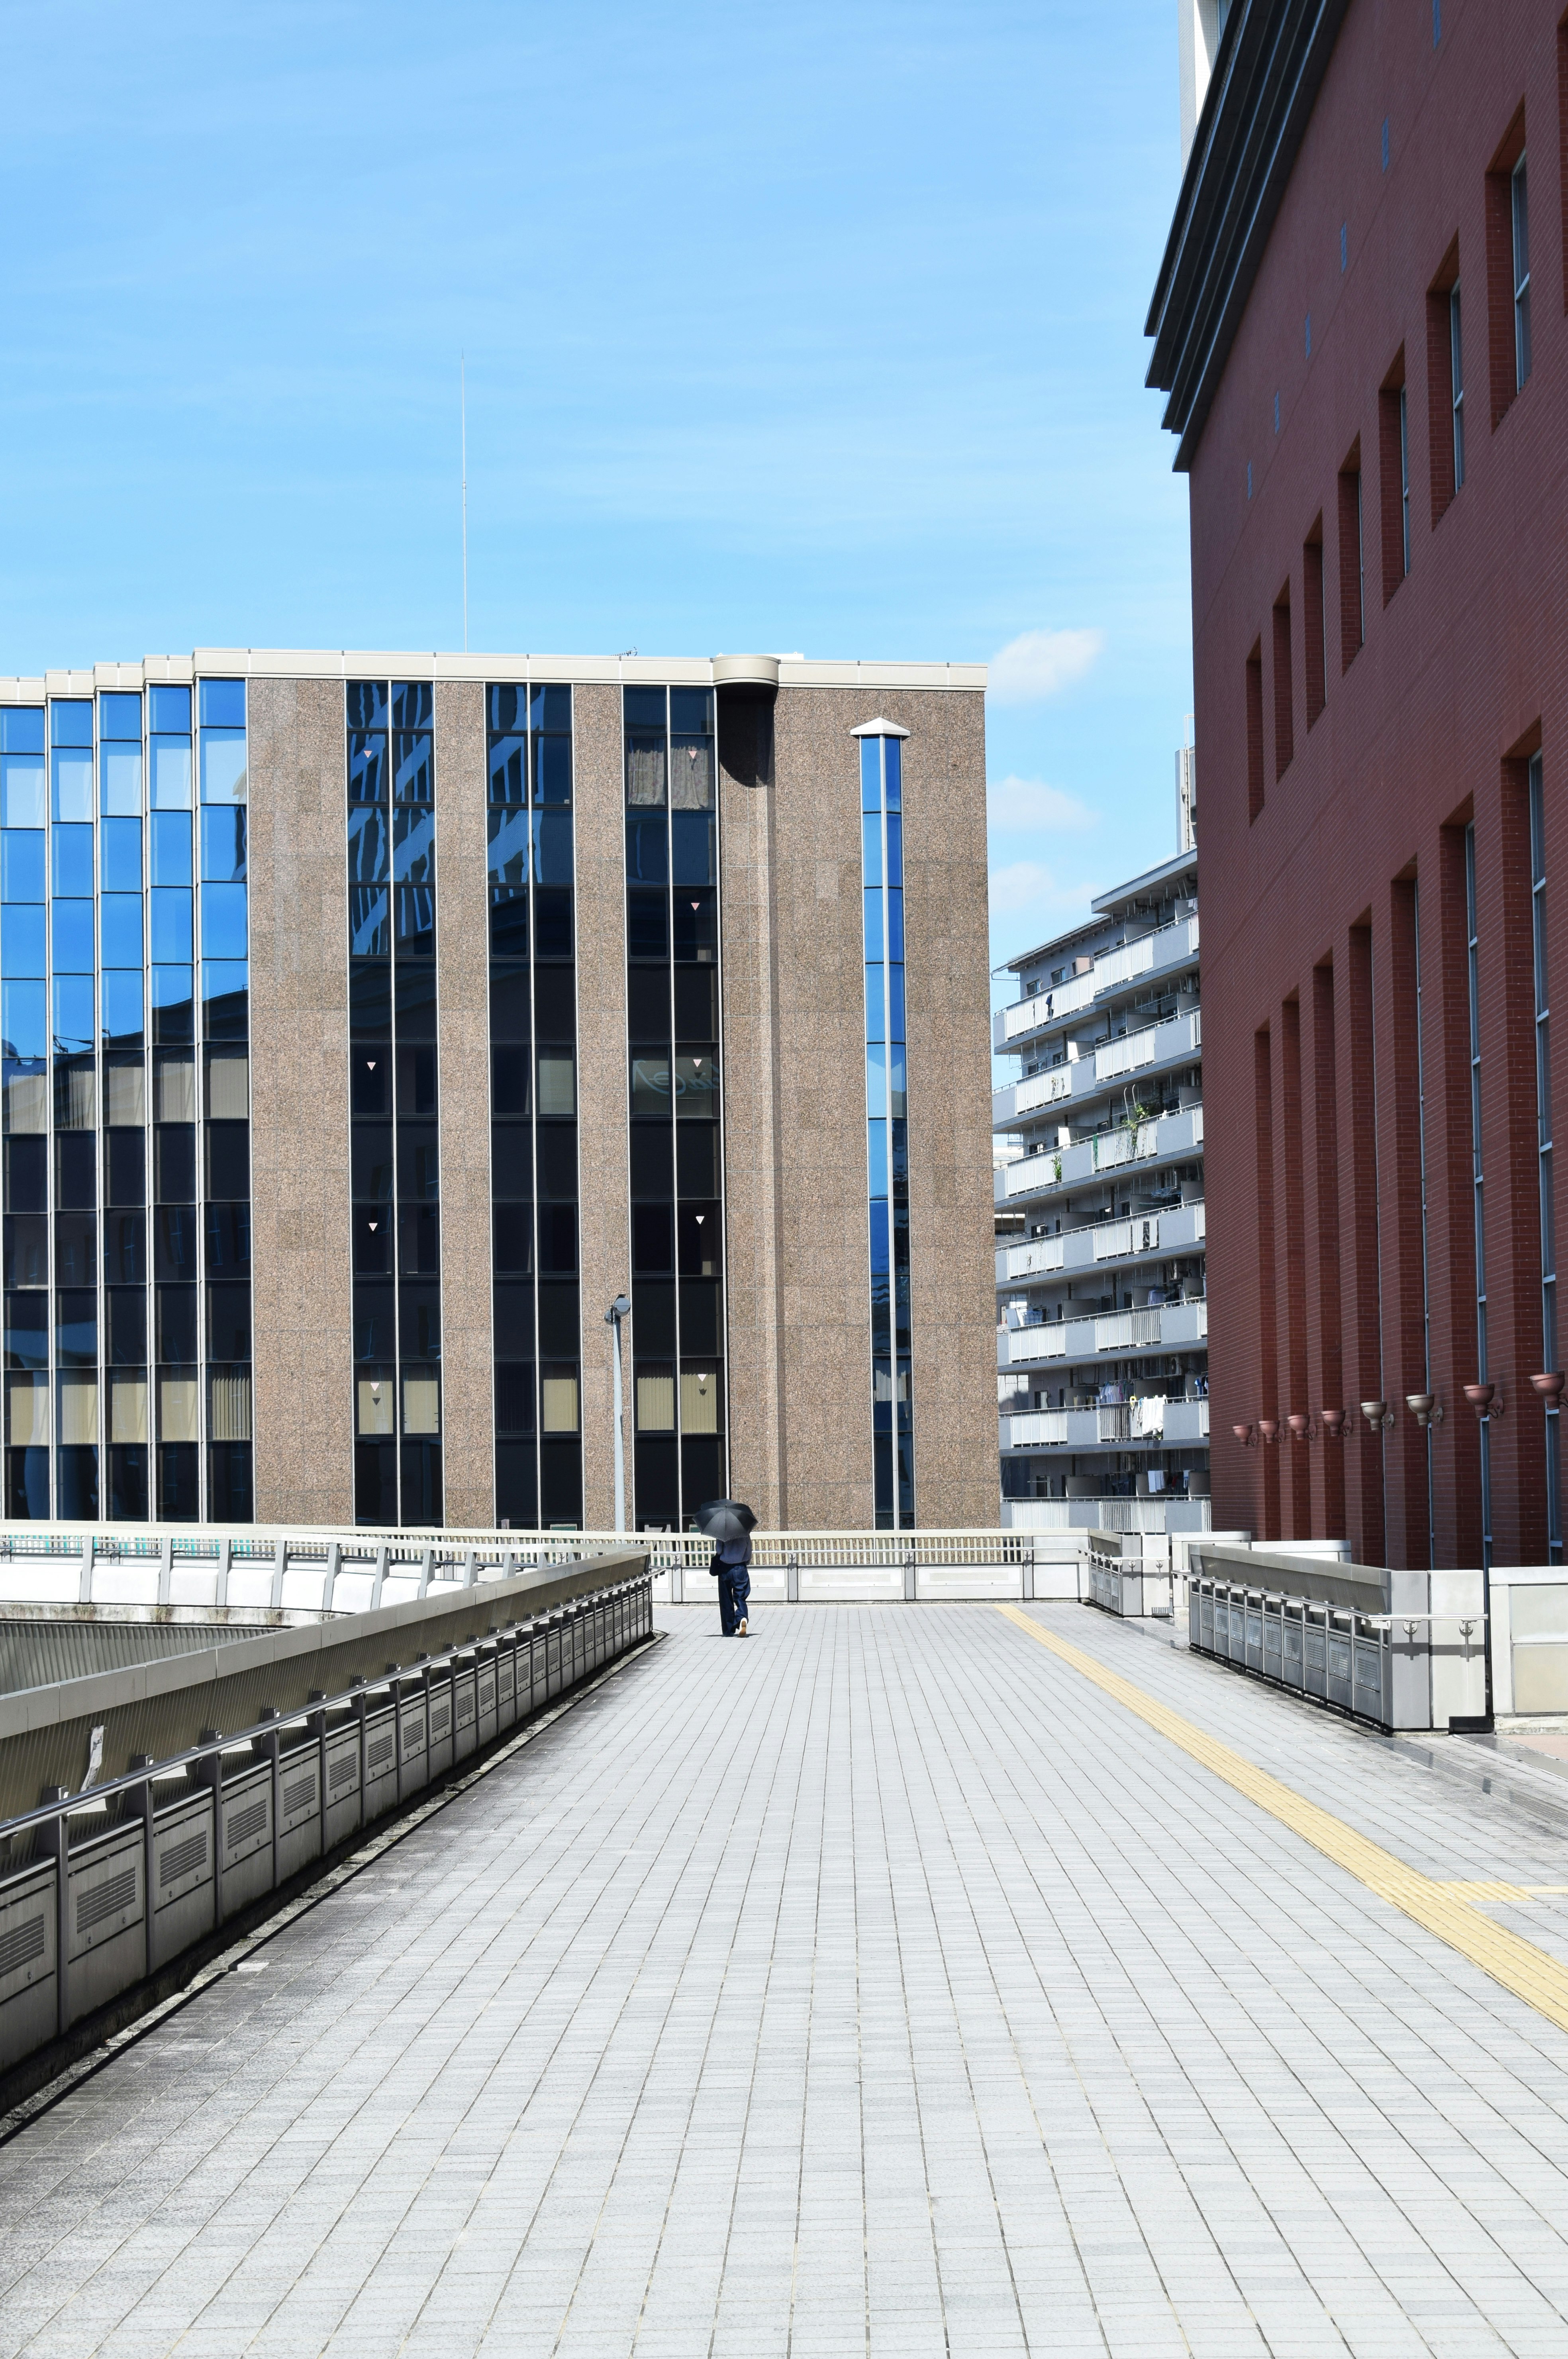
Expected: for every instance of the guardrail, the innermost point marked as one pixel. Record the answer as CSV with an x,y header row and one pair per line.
x,y
1120,1580
1400,1649
101,1888
255,1572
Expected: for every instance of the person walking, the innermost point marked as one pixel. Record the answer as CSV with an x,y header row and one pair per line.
x,y
730,1562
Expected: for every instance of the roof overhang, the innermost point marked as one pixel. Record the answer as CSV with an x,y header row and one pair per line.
x,y
1266,77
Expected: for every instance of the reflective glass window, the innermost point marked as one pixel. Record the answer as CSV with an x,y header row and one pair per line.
x,y
369,855
414,767
72,852
70,722
223,704
223,764
74,1030
414,847
22,943
170,844
22,869
367,767
120,714
120,929
224,840
224,926
171,935
73,931
23,801
123,1004
120,856
168,710
170,761
70,782
21,729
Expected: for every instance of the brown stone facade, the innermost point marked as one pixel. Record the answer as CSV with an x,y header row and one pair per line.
x,y
795,1182
462,993
300,1091
797,1255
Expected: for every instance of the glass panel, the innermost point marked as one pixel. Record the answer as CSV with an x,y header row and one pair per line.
x,y
872,850
414,847
414,767
119,715
223,925
870,774
22,798
367,704
508,770
23,950
893,761
895,849
557,1091
123,1016
223,703
120,929
369,856
876,1080
551,707
74,1030
70,722
656,1391
896,923
120,778
170,847
873,907
877,1157
422,1403
72,784
21,729
73,861
876,1005
645,771
223,764
413,703
370,921
120,856
693,849
552,770
508,857
170,773
895,1003
557,1398
224,840
700,1390
169,708
691,774
367,768
552,834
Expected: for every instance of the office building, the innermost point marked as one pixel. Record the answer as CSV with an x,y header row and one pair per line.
x,y
1102,1320
1360,324
371,1022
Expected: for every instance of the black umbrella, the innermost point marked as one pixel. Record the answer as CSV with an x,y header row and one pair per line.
x,y
725,1520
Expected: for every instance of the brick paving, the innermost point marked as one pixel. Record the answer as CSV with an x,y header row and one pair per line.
x,y
872,1985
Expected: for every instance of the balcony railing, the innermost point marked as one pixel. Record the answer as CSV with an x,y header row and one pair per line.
x,y
1171,1135
1177,1231
1082,1078
1167,946
1156,1418
1169,1326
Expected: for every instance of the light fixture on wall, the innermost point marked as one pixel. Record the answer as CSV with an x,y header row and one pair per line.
x,y
1425,1408
1548,1388
1269,1427
1378,1416
1487,1400
1300,1425
1244,1435
1332,1423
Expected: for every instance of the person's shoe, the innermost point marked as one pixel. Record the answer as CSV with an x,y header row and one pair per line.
x,y
742,1630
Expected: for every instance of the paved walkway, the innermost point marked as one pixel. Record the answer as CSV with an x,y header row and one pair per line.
x,y
877,1984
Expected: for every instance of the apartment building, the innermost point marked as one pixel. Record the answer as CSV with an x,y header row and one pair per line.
x,y
1361,322
373,1022
1102,1316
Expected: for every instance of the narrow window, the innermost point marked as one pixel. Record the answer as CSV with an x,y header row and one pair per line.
x,y
882,825
1521,273
1444,384
1543,1146
1255,731
1315,634
1393,472
1284,729
1476,1180
1508,269
1456,375
1352,566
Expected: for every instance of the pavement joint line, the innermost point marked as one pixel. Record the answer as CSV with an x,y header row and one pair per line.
x,y
1441,1908
21,2117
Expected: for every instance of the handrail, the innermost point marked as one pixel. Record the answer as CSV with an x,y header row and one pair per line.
x,y
224,1743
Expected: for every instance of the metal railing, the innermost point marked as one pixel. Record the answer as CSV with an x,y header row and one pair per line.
x,y
102,1888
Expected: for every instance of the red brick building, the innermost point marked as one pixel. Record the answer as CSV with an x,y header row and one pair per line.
x,y
1362,323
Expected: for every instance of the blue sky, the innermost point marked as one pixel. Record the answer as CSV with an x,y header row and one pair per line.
x,y
815,329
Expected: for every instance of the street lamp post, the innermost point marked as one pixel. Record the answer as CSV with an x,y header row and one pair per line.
x,y
618,1310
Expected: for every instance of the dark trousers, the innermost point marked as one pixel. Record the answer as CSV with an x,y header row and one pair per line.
x,y
734,1589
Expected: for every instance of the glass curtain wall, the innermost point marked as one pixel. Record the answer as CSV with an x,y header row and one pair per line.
x,y
672,996
887,1136
395,1146
532,1100
101,938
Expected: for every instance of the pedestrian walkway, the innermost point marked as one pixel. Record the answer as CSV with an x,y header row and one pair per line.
x,y
877,1985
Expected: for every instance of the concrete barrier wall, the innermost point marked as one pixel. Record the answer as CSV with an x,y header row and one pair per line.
x,y
102,1892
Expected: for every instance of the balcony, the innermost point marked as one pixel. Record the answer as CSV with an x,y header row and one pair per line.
x,y
1169,1139
1178,1231
1156,1420
1081,1079
1167,1327
1150,955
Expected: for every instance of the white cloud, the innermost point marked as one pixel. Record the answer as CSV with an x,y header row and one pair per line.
x,y
1028,803
1020,885
1039,663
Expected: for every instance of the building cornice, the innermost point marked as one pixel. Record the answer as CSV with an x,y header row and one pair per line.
x,y
1266,78
422,663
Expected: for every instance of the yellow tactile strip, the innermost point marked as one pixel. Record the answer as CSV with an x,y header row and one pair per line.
x,y
1444,1909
